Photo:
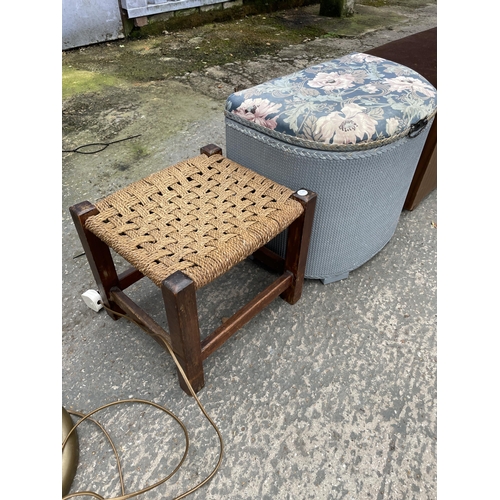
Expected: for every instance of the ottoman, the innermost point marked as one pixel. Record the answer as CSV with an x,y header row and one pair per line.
x,y
352,130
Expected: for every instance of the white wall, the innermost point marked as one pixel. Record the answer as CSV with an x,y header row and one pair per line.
x,y
140,8
85,22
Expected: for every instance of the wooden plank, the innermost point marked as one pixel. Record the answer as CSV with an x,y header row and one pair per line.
x,y
179,296
97,253
245,314
297,246
138,315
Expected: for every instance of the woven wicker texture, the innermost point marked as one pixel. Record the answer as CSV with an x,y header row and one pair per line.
x,y
201,216
360,194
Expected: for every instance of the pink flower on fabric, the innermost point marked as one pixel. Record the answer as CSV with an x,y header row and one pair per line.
x,y
401,83
256,110
345,127
332,81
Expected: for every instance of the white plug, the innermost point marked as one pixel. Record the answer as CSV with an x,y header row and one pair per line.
x,y
93,300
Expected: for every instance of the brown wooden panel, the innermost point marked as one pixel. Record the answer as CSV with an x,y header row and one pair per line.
x,y
418,52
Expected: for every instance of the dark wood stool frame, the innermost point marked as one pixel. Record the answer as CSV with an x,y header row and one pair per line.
x,y
179,294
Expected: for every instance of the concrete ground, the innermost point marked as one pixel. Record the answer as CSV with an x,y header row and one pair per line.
x,y
332,398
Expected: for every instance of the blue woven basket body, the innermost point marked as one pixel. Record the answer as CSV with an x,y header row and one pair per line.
x,y
360,194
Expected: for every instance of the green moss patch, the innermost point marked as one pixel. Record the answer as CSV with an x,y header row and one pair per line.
x,y
365,19
411,4
175,53
76,81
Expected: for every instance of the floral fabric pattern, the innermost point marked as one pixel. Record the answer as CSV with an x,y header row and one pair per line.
x,y
256,110
358,99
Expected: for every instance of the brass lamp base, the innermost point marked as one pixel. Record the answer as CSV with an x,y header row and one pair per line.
x,y
69,453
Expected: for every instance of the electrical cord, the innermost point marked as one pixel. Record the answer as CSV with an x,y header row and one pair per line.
x,y
126,496
103,146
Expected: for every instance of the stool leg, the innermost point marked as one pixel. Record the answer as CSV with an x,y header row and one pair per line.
x,y
179,296
97,252
299,236
211,149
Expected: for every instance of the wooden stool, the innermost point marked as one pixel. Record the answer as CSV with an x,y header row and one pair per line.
x,y
182,228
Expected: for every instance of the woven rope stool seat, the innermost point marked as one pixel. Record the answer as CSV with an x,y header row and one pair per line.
x,y
182,228
201,216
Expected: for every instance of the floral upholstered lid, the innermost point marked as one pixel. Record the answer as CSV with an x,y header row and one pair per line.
x,y
358,101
